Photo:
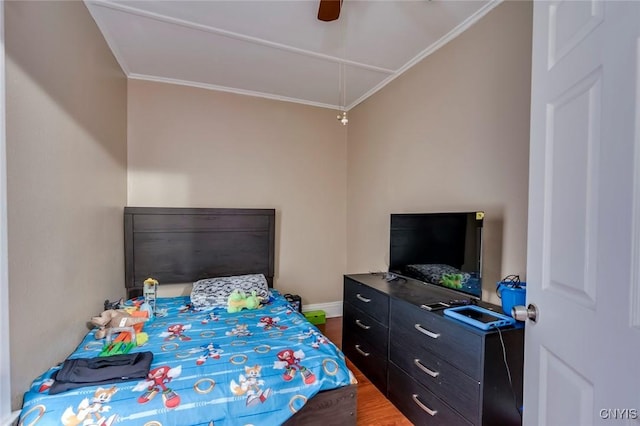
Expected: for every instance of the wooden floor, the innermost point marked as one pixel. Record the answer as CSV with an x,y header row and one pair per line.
x,y
373,407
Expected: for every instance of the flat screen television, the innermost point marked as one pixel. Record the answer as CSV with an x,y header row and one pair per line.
x,y
443,249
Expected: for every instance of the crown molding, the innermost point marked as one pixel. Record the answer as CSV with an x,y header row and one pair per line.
x,y
243,92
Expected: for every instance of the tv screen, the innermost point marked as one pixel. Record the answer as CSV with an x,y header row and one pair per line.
x,y
444,249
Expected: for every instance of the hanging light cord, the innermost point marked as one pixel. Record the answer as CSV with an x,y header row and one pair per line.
x,y
342,83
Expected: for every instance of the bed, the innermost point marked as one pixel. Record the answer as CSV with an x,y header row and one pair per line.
x,y
210,367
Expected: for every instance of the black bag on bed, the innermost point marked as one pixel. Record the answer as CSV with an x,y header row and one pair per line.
x,y
79,372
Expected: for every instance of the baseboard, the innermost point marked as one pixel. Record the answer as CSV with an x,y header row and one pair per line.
x,y
331,309
12,420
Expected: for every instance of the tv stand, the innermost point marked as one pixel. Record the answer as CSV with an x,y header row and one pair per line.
x,y
435,369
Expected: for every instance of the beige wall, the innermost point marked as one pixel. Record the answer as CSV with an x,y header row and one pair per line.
x,y
452,134
66,176
193,147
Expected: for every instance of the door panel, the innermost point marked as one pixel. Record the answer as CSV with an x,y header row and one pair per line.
x,y
567,396
569,23
573,141
583,267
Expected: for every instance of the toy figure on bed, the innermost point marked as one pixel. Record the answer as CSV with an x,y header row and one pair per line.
x,y
150,293
238,300
290,361
116,318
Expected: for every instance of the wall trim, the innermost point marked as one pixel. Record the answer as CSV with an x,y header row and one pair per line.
x,y
134,76
11,420
331,309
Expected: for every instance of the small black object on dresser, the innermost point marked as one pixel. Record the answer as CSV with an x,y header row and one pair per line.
x,y
435,369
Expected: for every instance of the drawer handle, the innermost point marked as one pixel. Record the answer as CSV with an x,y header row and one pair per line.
x,y
361,325
425,369
364,299
427,332
424,407
363,353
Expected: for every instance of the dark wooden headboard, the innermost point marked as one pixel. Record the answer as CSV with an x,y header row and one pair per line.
x,y
183,245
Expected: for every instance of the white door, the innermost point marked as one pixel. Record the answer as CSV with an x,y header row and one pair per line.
x,y
582,357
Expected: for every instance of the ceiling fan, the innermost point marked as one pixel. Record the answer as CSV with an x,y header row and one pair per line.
x,y
329,10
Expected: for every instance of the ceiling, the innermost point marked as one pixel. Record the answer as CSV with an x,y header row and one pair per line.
x,y
279,49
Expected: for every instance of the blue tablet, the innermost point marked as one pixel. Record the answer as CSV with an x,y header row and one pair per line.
x,y
480,317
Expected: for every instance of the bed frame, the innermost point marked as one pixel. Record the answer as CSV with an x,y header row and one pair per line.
x,y
183,245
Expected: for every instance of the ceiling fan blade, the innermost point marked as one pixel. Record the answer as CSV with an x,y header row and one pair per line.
x,y
329,10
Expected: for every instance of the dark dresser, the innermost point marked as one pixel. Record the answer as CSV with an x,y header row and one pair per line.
x,y
436,370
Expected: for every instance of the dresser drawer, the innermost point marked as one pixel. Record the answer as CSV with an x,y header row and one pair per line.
x,y
429,331
367,300
370,362
450,384
417,403
356,322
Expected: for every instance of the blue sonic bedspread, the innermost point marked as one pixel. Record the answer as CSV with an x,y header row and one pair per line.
x,y
209,368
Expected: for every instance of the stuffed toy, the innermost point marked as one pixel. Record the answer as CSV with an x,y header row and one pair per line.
x,y
451,280
238,300
116,318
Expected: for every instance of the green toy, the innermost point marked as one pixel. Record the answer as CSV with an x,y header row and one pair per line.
x,y
451,280
238,300
121,344
124,342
